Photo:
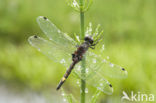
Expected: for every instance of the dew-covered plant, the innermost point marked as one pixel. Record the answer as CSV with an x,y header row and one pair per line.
x,y
92,68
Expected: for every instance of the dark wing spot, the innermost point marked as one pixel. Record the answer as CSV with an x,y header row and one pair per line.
x,y
35,36
110,85
45,18
123,69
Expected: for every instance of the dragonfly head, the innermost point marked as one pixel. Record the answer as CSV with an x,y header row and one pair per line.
x,y
89,39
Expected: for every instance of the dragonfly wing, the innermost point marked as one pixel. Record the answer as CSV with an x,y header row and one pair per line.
x,y
54,51
54,34
94,63
100,83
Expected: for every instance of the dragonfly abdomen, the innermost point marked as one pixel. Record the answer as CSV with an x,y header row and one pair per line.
x,y
66,75
76,57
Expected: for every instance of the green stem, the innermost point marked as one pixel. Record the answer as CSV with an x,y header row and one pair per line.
x,y
82,24
83,82
83,70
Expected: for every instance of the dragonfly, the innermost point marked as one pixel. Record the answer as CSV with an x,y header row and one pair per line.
x,y
61,48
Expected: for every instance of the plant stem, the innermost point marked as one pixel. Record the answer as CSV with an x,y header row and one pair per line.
x,y
81,20
83,70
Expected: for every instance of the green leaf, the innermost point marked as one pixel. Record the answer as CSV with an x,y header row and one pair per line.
x,y
88,4
69,98
95,96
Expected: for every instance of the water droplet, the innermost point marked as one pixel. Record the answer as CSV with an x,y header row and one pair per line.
x,y
86,90
111,65
78,38
62,61
104,60
101,84
98,88
79,68
107,57
59,31
78,82
103,47
87,34
87,70
94,60
75,3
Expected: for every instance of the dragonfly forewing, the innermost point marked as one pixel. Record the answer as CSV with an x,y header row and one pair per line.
x,y
55,34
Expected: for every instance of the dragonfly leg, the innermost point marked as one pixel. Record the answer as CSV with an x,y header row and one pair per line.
x,y
92,47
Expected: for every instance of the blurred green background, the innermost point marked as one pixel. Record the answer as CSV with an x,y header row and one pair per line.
x,y
130,36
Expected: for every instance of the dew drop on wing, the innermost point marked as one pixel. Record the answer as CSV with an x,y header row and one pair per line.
x,y
104,60
59,31
101,84
87,70
62,61
79,68
111,65
107,57
94,60
103,47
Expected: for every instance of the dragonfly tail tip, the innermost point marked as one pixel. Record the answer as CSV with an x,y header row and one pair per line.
x,y
57,88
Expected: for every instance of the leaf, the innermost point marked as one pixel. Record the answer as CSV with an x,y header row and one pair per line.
x,y
69,98
95,96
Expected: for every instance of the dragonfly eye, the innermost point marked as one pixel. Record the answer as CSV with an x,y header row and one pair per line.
x,y
89,39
